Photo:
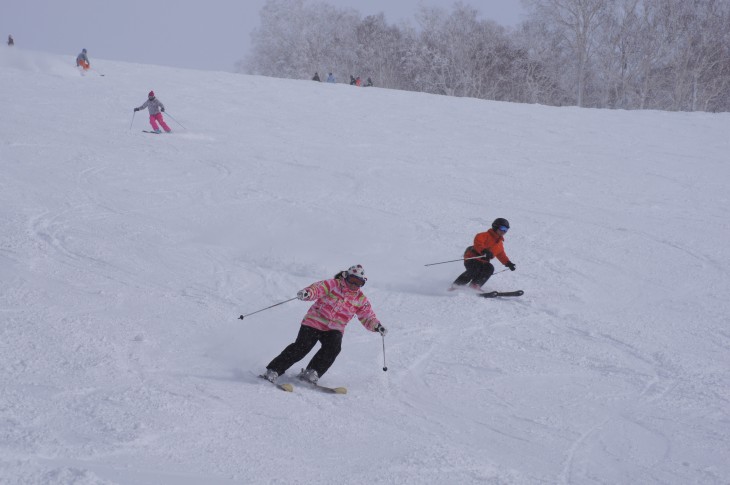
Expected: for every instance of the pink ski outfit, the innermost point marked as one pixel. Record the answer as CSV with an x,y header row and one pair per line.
x,y
156,108
335,306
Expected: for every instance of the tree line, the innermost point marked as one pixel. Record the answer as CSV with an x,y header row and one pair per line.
x,y
623,54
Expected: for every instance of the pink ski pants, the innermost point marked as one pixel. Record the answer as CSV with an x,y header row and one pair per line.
x,y
154,119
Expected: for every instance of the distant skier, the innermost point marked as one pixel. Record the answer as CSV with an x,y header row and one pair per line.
x,y
488,245
316,77
368,83
358,82
352,80
337,300
156,108
82,60
11,41
330,78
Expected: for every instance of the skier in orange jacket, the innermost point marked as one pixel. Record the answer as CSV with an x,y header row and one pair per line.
x,y
487,245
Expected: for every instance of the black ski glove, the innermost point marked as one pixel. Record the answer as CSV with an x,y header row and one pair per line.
x,y
136,109
487,254
511,265
381,330
162,109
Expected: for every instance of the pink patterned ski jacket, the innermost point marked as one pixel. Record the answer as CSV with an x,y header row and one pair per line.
x,y
335,306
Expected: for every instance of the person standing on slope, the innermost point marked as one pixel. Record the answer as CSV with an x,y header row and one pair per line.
x,y
337,300
82,61
156,108
11,41
487,245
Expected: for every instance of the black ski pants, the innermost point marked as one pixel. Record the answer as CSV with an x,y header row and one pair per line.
x,y
476,272
307,338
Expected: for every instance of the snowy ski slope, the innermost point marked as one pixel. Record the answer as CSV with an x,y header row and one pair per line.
x,y
126,258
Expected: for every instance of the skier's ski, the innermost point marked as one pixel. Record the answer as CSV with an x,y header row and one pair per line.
x,y
153,132
284,387
328,390
318,387
495,294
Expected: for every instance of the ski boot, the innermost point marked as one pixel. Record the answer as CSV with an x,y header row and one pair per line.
x,y
271,375
309,375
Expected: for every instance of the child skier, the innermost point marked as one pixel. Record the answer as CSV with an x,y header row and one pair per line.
x,y
82,61
156,108
336,301
487,245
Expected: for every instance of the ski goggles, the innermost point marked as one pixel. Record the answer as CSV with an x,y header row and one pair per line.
x,y
355,281
503,228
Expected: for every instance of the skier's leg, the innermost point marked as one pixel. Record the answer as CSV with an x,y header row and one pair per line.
x,y
463,278
472,271
162,123
325,357
485,272
293,353
153,122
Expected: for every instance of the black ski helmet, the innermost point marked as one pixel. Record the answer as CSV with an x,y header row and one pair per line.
x,y
500,221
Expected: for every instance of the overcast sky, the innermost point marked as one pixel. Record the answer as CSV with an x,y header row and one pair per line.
x,y
212,34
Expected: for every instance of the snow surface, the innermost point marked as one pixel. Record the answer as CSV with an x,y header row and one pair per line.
x,y
126,258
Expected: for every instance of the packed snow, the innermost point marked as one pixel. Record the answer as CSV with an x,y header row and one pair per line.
x,y
126,259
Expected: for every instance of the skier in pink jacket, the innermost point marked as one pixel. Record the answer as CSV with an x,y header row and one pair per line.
x,y
336,301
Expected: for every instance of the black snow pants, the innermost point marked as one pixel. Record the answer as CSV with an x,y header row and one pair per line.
x,y
476,272
307,338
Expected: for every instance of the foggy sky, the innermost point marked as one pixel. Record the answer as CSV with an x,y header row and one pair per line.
x,y
212,34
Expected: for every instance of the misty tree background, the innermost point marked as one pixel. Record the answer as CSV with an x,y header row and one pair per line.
x,y
625,54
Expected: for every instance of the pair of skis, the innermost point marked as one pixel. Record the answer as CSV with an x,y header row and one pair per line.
x,y
317,387
497,294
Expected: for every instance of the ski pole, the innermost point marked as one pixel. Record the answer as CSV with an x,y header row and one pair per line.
x,y
133,113
385,367
454,260
176,121
272,306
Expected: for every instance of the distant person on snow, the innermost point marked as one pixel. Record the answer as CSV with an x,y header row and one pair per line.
x,y
330,78
487,245
11,42
358,82
82,60
156,108
368,83
352,80
336,300
316,77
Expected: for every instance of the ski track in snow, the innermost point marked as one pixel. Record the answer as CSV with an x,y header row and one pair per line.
x,y
126,258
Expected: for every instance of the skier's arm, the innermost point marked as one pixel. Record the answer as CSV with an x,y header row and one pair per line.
x,y
482,242
366,315
502,257
317,290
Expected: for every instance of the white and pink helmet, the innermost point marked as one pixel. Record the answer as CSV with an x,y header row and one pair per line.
x,y
355,275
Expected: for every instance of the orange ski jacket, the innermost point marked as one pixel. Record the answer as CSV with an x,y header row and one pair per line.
x,y
487,240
